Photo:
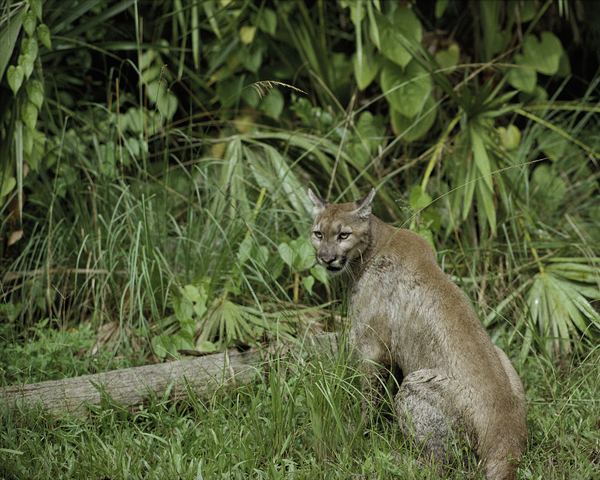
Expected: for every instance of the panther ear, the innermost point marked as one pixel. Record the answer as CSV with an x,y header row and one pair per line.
x,y
363,206
318,203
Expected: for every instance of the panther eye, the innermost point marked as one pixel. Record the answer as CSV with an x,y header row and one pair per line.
x,y
344,235
318,234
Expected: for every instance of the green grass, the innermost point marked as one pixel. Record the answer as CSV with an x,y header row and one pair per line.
x,y
300,422
562,417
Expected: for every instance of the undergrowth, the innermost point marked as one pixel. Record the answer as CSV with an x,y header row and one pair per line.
x,y
299,422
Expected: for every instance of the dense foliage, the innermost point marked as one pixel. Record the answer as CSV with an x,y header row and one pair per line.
x,y
296,424
154,162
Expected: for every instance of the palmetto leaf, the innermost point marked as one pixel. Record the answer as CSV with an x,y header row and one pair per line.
x,y
577,272
558,307
241,322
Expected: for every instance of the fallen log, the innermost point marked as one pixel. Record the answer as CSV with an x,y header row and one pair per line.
x,y
131,386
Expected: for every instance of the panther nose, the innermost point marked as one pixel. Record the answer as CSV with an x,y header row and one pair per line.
x,y
328,259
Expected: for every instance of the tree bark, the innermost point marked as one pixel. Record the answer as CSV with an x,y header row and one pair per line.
x,y
131,386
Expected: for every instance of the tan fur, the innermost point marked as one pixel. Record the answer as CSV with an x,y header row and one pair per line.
x,y
406,312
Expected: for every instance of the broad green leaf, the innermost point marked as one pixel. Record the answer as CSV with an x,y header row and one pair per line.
x,y
340,68
8,183
147,57
431,219
522,78
440,8
273,103
184,309
27,64
527,10
268,21
509,139
133,146
36,7
107,153
244,250
44,34
207,347
405,89
539,95
543,54
305,254
154,72
376,25
247,34
308,283
367,68
358,12
550,189
168,345
69,174
29,48
414,129
286,254
167,104
29,23
369,132
135,119
193,293
418,198
15,76
564,66
370,129
186,332
160,345
250,95
29,113
448,58
390,45
183,341
403,24
35,93
299,254
405,21
165,100
319,273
